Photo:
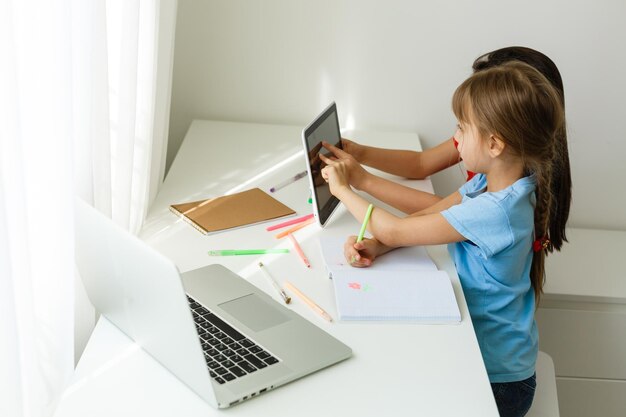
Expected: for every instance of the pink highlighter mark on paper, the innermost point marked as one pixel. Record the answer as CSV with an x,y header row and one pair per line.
x,y
357,286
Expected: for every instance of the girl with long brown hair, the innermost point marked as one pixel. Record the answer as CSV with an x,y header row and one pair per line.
x,y
499,224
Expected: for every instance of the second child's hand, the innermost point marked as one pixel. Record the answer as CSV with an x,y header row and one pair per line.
x,y
353,148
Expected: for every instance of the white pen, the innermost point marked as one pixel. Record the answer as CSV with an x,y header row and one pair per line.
x,y
274,283
288,181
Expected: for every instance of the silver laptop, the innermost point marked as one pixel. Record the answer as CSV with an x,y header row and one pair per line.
x,y
220,335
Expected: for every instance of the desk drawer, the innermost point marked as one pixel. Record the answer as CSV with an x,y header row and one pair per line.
x,y
588,344
591,397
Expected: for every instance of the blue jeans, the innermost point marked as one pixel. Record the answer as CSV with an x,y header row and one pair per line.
x,y
514,398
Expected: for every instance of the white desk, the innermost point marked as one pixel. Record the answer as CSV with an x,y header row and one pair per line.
x,y
397,369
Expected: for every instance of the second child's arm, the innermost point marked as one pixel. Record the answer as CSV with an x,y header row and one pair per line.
x,y
408,164
406,199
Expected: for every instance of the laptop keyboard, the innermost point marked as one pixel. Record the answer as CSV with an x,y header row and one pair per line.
x,y
229,354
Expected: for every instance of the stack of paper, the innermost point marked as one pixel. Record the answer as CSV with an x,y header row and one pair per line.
x,y
401,259
402,285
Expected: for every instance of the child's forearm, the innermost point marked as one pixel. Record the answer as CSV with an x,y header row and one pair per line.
x,y
397,162
381,223
429,228
406,199
411,164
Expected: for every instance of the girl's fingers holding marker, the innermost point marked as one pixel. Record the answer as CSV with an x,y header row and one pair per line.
x,y
356,253
350,253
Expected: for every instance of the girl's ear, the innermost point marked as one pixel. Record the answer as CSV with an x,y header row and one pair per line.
x,y
496,146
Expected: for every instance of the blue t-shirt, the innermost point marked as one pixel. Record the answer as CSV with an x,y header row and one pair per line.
x,y
494,269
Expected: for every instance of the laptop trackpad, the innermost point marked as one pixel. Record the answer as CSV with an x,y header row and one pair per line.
x,y
254,312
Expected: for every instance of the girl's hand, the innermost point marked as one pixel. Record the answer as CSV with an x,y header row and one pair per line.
x,y
356,175
363,253
336,174
354,149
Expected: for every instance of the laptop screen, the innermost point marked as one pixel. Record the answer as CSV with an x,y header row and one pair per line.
x,y
324,127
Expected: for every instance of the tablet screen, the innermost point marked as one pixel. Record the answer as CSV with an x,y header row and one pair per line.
x,y
324,127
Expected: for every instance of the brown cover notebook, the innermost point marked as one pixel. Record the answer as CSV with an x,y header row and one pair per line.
x,y
231,211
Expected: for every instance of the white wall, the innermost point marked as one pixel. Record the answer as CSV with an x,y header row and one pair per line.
x,y
393,65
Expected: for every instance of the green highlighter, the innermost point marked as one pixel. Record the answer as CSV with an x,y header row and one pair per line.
x,y
235,252
365,221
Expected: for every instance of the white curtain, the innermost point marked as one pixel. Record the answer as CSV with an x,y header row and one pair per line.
x,y
115,49
78,81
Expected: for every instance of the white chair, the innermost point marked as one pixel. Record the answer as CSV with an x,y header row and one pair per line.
x,y
546,402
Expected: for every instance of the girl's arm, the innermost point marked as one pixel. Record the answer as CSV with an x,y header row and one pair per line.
x,y
428,228
362,254
425,228
409,164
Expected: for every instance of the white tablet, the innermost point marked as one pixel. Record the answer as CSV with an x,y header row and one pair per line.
x,y
324,127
